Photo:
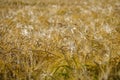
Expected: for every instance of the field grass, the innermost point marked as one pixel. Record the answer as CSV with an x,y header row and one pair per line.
x,y
59,39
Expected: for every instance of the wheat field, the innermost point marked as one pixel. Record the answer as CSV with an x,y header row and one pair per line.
x,y
59,39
